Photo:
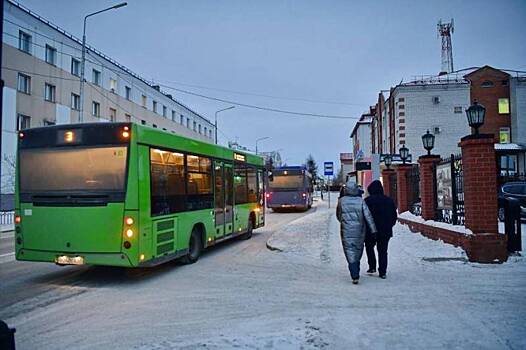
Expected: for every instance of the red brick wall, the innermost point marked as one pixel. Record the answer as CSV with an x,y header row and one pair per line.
x,y
427,185
402,187
489,98
480,183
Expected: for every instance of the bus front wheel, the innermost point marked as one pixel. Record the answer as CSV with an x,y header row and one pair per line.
x,y
194,248
251,224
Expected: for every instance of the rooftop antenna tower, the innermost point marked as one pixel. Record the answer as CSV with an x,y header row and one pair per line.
x,y
445,30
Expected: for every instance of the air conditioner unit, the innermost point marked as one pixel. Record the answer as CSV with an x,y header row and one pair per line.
x,y
436,130
436,100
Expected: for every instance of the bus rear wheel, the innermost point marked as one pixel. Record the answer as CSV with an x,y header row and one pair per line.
x,y
194,248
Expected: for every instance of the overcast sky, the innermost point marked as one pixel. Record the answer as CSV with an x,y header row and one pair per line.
x,y
342,52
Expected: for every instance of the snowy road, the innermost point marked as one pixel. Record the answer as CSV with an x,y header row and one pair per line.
x,y
242,295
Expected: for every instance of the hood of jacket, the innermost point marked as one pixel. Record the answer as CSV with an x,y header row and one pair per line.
x,y
375,187
352,189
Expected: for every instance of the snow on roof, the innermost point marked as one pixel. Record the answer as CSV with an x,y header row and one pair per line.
x,y
510,147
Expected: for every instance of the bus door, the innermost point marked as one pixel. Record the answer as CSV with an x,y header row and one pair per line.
x,y
219,199
229,198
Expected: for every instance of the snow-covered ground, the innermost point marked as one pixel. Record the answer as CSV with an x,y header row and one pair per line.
x,y
243,295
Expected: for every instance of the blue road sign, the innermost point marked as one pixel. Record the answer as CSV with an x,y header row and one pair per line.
x,y
328,168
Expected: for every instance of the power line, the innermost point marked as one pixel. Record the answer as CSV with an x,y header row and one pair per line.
x,y
241,104
262,95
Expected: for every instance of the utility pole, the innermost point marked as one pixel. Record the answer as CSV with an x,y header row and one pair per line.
x,y
83,61
215,122
1,93
260,139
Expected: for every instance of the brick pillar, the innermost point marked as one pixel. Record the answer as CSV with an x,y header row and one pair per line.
x,y
480,183
427,185
386,181
480,200
402,187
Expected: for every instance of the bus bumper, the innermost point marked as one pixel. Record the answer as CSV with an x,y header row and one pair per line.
x,y
107,259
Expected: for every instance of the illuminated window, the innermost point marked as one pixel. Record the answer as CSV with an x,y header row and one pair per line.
x,y
504,105
504,135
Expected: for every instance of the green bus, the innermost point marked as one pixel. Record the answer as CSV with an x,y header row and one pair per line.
x,y
122,194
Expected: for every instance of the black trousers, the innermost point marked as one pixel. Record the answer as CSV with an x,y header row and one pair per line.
x,y
381,242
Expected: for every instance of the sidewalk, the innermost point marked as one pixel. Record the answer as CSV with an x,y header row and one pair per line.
x,y
432,298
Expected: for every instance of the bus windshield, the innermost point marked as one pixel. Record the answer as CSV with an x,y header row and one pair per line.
x,y
287,182
90,169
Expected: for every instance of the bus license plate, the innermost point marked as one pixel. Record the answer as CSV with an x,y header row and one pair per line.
x,y
70,260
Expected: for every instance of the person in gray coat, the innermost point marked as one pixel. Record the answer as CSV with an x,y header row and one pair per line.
x,y
353,214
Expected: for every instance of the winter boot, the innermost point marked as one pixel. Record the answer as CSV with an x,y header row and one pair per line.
x,y
371,271
355,281
383,276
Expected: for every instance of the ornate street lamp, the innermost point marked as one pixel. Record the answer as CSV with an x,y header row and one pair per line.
x,y
388,159
428,140
476,114
404,153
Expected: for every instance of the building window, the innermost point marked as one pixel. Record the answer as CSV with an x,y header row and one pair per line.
x,y
23,122
95,109
75,67
195,126
401,114
48,122
24,83
504,135
165,111
457,109
205,132
49,92
200,129
144,100
51,55
75,102
401,99
181,117
210,134
127,117
143,122
113,115
154,106
188,123
24,42
504,83
113,85
173,116
127,92
95,77
487,84
401,107
504,105
154,125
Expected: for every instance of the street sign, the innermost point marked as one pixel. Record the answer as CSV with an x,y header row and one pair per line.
x,y
328,168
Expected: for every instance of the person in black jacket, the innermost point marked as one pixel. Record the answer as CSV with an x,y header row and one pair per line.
x,y
384,214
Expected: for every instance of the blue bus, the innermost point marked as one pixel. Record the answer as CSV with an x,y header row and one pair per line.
x,y
289,187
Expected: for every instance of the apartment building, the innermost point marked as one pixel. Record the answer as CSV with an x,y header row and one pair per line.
x,y
41,67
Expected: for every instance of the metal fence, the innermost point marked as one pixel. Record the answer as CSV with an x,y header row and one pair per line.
x,y
449,190
393,187
413,181
7,217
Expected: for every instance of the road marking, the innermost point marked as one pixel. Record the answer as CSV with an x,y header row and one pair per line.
x,y
4,258
8,254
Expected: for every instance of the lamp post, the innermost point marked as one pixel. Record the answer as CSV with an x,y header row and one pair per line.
x,y
261,139
475,114
83,61
215,120
404,154
388,160
428,140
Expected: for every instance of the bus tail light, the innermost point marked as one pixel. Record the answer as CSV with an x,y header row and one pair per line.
x,y
268,194
18,219
129,221
304,195
126,132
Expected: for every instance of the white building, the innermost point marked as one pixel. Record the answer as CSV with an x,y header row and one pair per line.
x,y
41,70
518,109
437,105
361,138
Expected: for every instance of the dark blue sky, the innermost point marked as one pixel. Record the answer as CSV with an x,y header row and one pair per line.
x,y
340,51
